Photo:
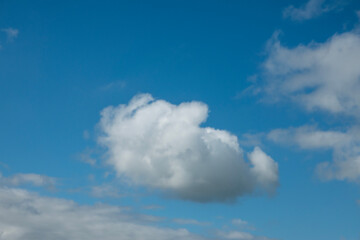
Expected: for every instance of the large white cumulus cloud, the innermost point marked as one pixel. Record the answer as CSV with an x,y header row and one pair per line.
x,y
160,145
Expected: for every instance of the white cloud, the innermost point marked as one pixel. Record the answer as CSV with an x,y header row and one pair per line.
x,y
320,76
87,156
238,222
86,134
323,76
28,178
105,191
190,222
265,169
113,85
344,144
24,215
309,137
311,9
161,145
11,33
237,235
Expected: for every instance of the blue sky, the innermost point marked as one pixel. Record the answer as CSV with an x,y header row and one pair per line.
x,y
180,120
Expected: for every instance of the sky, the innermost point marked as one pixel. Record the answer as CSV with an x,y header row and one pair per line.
x,y
180,120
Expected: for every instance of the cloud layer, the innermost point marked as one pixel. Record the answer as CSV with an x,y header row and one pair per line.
x,y
25,215
162,146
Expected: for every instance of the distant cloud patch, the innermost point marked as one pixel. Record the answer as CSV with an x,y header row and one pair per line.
x,y
238,222
237,235
114,85
28,179
311,9
87,156
190,222
153,207
345,146
11,33
105,191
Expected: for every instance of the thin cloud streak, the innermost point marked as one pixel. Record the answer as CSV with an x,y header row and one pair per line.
x,y
11,33
312,9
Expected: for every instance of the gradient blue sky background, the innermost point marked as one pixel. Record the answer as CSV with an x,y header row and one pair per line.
x,y
62,62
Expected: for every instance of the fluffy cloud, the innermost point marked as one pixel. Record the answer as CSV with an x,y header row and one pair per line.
x,y
162,146
345,146
311,9
24,215
323,76
320,76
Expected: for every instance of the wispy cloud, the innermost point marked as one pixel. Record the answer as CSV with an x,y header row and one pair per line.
x,y
190,222
87,156
311,9
11,33
28,179
237,235
152,207
113,86
345,146
105,191
86,134
238,222
4,165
